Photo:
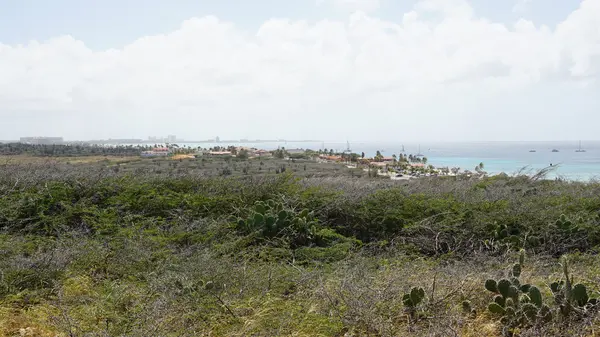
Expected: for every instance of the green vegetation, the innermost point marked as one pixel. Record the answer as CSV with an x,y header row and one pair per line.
x,y
83,150
70,150
160,247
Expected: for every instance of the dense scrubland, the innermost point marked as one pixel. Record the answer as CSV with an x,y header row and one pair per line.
x,y
129,247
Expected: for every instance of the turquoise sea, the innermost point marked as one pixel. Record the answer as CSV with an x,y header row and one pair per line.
x,y
508,157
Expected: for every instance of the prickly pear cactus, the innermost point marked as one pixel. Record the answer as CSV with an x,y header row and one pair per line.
x,y
535,296
517,305
566,225
509,235
414,297
571,298
412,301
272,219
491,285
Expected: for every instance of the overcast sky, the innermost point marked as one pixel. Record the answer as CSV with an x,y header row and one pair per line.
x,y
363,70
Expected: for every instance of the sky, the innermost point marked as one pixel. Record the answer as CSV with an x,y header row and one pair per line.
x,y
360,70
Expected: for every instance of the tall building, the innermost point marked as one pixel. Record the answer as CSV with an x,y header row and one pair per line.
x,y
218,140
171,139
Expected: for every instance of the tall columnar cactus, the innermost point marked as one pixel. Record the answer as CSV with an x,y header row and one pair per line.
x,y
522,257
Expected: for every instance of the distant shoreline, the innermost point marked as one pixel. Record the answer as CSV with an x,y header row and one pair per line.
x,y
210,141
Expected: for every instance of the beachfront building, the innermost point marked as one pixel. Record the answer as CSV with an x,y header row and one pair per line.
x,y
157,152
221,154
250,150
263,154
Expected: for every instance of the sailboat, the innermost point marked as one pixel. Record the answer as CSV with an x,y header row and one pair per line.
x,y
348,150
419,154
580,149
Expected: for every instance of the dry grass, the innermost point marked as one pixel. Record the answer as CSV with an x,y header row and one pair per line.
x,y
147,277
182,156
359,296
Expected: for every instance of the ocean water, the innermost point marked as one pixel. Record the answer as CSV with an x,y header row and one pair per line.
x,y
509,157
497,157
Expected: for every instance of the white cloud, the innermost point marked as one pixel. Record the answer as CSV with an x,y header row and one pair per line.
x,y
441,71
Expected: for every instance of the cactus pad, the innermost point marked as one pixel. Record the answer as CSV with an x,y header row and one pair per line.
x,y
491,285
535,295
496,309
504,287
